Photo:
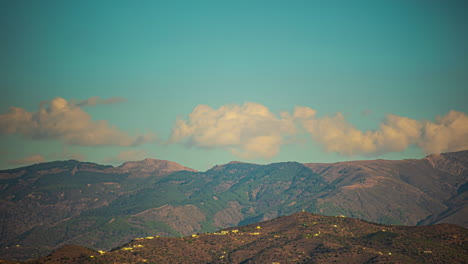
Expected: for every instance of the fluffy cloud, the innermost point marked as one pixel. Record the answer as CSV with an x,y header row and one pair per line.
x,y
396,133
338,135
68,122
127,156
28,160
248,131
251,131
448,133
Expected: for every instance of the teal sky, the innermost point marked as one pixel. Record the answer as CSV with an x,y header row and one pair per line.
x,y
159,60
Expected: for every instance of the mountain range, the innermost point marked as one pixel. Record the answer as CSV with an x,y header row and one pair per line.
x,y
48,205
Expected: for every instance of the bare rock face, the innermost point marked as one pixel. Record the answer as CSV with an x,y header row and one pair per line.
x,y
151,167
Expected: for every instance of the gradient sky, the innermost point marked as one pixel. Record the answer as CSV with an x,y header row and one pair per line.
x,y
206,82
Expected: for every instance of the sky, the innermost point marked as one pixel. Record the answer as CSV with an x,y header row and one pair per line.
x,y
207,82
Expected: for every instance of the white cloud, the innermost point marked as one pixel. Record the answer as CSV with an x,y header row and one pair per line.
x,y
68,122
127,155
338,135
249,130
396,133
448,133
28,160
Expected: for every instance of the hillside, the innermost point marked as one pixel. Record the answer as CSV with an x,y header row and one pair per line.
x,y
298,238
49,205
398,191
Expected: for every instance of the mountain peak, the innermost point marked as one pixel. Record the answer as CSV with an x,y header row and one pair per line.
x,y
239,162
147,167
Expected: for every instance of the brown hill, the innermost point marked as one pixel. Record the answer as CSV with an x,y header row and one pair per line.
x,y
298,238
151,167
69,254
398,191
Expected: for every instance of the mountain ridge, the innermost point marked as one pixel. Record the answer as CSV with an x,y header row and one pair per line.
x,y
154,167
101,206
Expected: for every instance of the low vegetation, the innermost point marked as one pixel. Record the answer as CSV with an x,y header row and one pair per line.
x,y
298,238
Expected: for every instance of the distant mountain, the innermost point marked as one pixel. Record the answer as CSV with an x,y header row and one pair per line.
x,y
48,205
298,238
398,191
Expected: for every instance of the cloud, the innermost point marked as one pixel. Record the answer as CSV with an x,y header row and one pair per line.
x,y
127,155
366,112
67,121
28,160
337,135
448,133
96,100
396,133
249,131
